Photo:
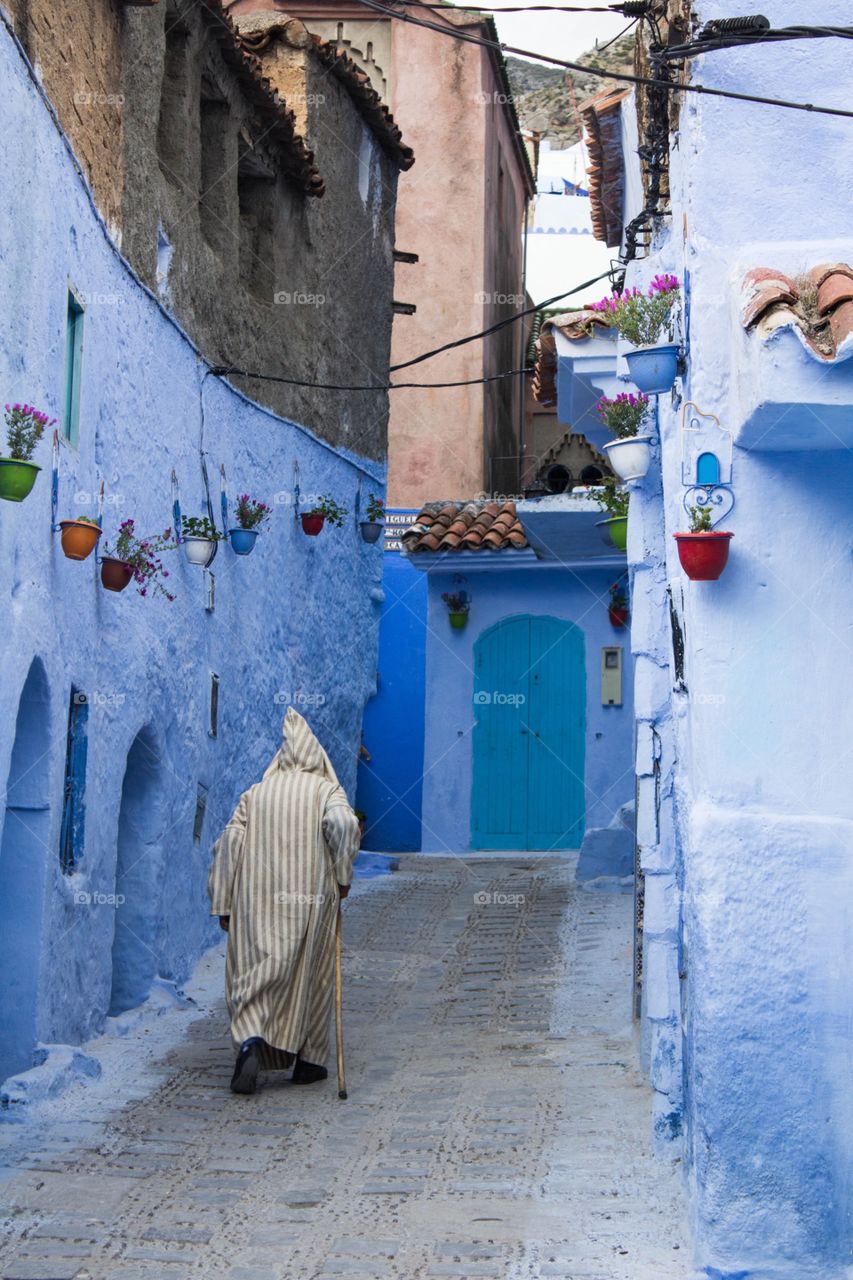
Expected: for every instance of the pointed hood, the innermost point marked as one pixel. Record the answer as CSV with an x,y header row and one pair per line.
x,y
301,750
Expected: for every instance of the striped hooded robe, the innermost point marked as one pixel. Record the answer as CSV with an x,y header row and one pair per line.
x,y
276,868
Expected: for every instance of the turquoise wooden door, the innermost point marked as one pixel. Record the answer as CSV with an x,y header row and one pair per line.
x,y
529,736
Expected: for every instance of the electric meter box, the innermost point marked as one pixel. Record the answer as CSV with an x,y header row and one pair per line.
x,y
611,676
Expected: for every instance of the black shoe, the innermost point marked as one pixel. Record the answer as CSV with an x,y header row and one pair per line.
x,y
245,1076
308,1072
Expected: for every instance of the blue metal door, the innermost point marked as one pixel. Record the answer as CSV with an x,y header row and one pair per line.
x,y
529,736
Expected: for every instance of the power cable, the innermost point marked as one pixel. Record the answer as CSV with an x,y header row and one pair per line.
x,y
670,86
224,371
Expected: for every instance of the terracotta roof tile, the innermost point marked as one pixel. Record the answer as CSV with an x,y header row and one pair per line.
x,y
824,319
601,117
368,101
466,526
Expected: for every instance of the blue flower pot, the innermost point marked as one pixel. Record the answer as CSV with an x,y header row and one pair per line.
x,y
243,540
653,369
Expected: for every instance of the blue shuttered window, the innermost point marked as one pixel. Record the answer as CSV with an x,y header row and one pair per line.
x,y
73,368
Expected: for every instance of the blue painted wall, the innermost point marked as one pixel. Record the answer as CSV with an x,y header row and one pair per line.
x,y
745,817
295,622
579,597
390,783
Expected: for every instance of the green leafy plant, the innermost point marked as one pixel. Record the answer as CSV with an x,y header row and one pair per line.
x,y
613,499
375,509
250,513
618,596
640,317
26,426
700,519
624,414
456,601
143,555
330,510
199,527
90,520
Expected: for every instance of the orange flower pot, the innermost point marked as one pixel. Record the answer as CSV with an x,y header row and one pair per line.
x,y
79,538
115,574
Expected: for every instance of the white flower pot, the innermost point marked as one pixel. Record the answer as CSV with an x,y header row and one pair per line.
x,y
198,550
630,457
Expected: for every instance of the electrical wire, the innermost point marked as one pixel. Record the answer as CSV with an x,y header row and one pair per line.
x,y
500,324
224,371
669,86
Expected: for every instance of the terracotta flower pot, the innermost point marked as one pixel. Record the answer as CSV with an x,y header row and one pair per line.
x,y
16,478
312,523
79,538
115,574
618,615
703,556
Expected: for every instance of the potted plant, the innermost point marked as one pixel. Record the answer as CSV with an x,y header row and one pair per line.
x,y
613,500
25,427
198,538
642,319
458,607
251,517
617,605
324,509
630,453
137,559
371,528
79,537
703,552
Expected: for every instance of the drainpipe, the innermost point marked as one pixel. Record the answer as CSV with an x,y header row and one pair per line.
x,y
522,399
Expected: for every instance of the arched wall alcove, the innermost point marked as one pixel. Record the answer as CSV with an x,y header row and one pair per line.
x,y
24,851
139,858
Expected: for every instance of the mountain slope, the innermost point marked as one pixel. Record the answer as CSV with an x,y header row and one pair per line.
x,y
542,99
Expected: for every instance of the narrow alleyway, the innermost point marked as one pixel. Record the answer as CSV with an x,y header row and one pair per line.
x,y
496,1126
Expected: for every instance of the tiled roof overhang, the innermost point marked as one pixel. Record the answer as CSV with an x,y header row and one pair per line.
x,y
465,526
574,325
824,318
602,120
367,100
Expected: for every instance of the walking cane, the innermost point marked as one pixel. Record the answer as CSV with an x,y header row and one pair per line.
x,y
339,1008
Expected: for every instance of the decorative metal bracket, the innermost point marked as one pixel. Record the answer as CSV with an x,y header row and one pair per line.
x,y
706,462
720,497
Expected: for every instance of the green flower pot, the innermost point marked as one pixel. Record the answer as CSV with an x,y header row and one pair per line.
x,y
458,620
16,478
615,532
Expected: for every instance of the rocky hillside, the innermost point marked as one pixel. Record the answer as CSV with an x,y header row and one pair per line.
x,y
542,98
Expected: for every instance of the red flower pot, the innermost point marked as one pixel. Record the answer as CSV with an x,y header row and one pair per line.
x,y
312,523
703,556
618,616
115,574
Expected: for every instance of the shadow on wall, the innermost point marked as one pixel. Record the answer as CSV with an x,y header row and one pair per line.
x,y
139,859
23,863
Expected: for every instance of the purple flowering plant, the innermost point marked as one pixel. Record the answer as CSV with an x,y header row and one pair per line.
x,y
143,556
640,317
624,414
26,426
250,513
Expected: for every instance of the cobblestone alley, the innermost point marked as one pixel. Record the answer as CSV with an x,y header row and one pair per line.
x,y
497,1125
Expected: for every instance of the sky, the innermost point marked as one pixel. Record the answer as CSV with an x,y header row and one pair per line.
x,y
563,35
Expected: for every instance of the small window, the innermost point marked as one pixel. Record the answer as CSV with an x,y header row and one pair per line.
x,y
73,368
73,800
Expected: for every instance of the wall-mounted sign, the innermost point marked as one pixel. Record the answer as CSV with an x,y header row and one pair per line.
x,y
397,519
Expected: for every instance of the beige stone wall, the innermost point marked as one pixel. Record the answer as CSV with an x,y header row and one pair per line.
x,y
76,48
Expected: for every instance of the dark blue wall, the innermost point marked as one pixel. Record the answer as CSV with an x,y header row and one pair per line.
x,y
390,783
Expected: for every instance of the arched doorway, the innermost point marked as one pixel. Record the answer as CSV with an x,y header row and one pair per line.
x,y
529,735
23,867
138,866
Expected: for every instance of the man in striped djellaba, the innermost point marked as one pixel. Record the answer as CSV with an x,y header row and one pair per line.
x,y
279,870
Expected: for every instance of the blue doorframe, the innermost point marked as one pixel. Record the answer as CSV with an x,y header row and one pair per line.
x,y
529,735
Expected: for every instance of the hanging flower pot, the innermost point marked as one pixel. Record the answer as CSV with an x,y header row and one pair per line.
x,y
243,540
703,556
630,457
618,616
312,522
252,515
25,427
115,574
653,369
79,537
643,319
458,607
458,620
614,532
370,530
198,538
16,478
617,605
